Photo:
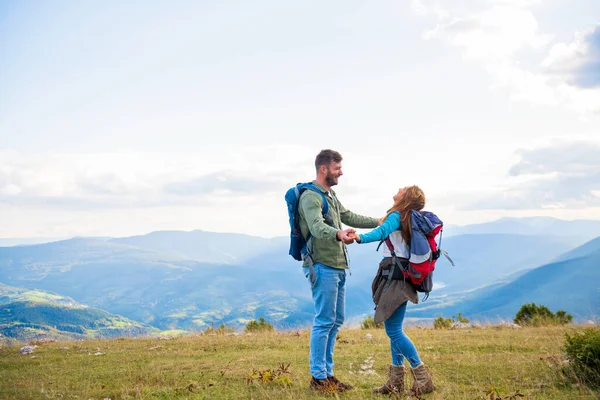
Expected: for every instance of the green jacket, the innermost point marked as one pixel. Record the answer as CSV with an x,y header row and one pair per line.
x,y
323,244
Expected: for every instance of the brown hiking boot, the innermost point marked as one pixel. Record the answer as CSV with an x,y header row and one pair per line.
x,y
423,383
323,385
341,386
395,382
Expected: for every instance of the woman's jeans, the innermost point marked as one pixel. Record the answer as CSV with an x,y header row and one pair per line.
x,y
329,299
400,344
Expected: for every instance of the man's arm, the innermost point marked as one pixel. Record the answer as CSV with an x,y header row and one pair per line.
x,y
357,221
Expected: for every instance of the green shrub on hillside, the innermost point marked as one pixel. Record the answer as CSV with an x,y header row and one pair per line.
x,y
534,315
221,330
449,323
442,323
583,352
259,326
369,323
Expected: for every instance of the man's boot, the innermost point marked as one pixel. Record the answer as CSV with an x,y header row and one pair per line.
x,y
395,382
423,383
341,386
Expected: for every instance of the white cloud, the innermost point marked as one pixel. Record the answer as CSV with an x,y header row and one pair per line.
x,y
568,76
564,175
127,179
578,62
492,35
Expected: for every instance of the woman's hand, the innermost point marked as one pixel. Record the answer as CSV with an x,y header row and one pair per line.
x,y
356,237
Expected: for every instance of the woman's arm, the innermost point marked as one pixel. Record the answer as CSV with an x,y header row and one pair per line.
x,y
391,223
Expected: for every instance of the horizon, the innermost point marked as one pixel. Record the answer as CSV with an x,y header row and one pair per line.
x,y
54,239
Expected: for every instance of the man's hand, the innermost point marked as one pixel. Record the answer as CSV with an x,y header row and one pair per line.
x,y
346,236
355,236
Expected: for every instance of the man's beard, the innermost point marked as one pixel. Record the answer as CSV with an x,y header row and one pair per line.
x,y
330,179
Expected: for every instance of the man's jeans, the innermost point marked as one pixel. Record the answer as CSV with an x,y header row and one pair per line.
x,y
400,344
329,299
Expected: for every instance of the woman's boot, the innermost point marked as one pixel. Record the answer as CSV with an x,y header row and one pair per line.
x,y
395,382
423,383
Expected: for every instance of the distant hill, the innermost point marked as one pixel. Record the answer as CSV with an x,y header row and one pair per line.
x,y
584,250
484,258
579,230
34,314
202,246
155,279
571,284
165,291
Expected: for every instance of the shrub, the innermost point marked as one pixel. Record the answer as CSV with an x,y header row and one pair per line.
x,y
221,330
563,318
449,323
442,323
461,319
534,315
369,323
583,351
259,326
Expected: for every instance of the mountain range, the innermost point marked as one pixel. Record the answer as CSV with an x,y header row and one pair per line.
x,y
569,283
177,280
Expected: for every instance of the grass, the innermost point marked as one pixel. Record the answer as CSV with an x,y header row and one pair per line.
x,y
475,363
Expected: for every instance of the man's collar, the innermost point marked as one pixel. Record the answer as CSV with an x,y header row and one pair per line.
x,y
321,188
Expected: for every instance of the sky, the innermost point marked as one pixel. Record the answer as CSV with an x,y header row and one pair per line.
x,y
120,118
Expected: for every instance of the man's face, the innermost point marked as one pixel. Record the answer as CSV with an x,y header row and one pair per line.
x,y
334,171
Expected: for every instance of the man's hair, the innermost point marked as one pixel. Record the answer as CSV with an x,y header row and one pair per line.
x,y
326,157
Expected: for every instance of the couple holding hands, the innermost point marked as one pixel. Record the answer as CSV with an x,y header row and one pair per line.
x,y
326,271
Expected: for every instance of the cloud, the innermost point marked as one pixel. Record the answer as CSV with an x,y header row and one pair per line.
x,y
223,181
492,35
567,158
497,37
565,175
578,62
127,180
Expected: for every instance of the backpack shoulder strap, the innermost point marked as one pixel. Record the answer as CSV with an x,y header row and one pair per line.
x,y
317,190
325,209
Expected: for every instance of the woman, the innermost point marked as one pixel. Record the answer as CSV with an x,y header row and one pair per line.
x,y
391,303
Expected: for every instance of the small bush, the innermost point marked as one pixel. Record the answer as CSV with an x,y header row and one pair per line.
x,y
583,351
221,330
443,323
259,326
534,315
279,375
369,323
449,323
460,319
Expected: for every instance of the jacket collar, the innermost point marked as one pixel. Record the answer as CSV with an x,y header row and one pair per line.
x,y
322,189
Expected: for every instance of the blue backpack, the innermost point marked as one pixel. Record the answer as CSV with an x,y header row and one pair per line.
x,y
298,248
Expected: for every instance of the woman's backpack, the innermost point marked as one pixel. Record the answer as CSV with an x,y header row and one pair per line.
x,y
424,252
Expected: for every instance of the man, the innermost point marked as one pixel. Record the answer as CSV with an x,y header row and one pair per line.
x,y
327,275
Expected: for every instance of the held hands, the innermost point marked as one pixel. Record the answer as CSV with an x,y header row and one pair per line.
x,y
347,235
355,236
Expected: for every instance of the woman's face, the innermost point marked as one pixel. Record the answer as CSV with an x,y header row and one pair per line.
x,y
399,195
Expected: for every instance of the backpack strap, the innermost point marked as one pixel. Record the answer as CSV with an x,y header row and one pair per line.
x,y
390,246
445,254
312,187
324,210
306,253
